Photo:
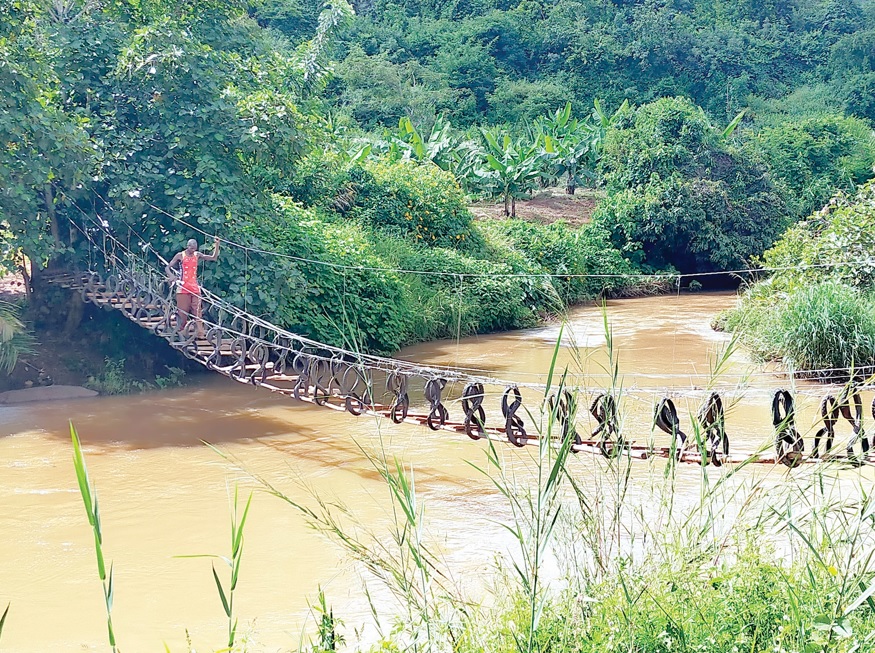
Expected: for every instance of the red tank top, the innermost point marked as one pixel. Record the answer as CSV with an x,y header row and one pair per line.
x,y
189,275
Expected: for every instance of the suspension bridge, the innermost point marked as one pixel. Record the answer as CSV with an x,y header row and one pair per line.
x,y
249,349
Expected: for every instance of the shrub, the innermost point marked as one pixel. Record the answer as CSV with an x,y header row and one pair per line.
x,y
692,225
827,325
679,195
817,156
420,201
448,306
319,180
822,326
351,307
840,239
557,249
661,138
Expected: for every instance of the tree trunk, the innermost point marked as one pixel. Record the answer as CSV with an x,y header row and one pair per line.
x,y
570,187
76,308
25,274
506,209
513,207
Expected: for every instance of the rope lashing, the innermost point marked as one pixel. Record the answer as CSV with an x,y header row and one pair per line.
x,y
604,409
564,411
666,418
847,404
472,406
301,367
847,398
396,383
789,446
513,424
829,414
438,413
320,377
712,419
354,401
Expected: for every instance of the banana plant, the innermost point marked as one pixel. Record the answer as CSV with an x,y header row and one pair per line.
x,y
569,143
572,158
512,167
466,165
407,143
603,122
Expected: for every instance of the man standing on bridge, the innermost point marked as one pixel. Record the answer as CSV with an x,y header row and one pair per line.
x,y
188,293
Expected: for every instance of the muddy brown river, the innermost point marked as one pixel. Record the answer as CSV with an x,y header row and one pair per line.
x,y
163,494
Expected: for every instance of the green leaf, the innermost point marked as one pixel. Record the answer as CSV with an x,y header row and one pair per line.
x,y
81,474
221,593
238,539
730,128
496,164
822,622
109,592
865,596
3,618
843,628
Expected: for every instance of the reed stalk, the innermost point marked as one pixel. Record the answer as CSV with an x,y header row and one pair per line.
x,y
226,591
89,498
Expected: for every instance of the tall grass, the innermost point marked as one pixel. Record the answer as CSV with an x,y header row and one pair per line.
x,y
535,513
604,561
89,498
227,591
818,327
753,563
431,606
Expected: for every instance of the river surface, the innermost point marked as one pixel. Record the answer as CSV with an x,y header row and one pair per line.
x,y
163,494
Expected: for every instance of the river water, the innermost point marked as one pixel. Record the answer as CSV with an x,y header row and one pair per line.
x,y
163,494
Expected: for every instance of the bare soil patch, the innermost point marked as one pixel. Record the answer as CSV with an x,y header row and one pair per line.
x,y
546,207
11,287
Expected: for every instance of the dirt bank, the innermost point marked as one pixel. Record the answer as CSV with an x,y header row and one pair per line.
x,y
546,206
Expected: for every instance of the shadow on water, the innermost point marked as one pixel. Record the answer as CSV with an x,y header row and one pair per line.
x,y
224,413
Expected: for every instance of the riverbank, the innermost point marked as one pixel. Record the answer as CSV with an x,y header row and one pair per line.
x,y
99,349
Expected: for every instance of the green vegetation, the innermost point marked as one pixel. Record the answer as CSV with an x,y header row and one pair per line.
x,y
610,555
340,147
3,617
15,339
509,61
679,195
89,498
825,326
816,156
114,380
816,311
227,595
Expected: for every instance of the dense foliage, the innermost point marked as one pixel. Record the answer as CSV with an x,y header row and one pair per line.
x,y
155,117
679,195
813,157
511,60
229,117
816,310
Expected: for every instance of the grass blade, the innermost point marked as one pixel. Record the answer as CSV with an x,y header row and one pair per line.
x,y
3,618
221,592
